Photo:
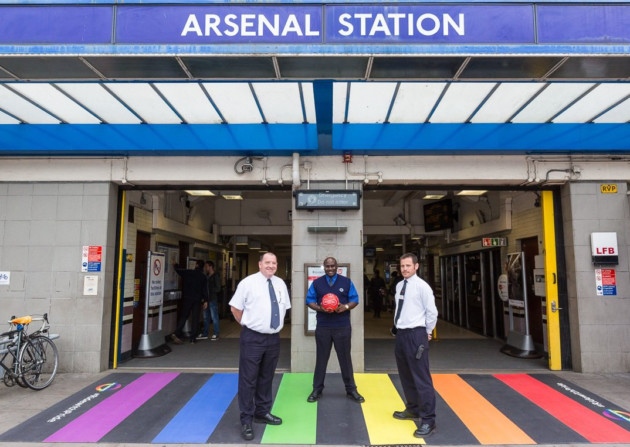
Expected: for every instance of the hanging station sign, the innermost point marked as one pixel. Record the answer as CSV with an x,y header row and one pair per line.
x,y
186,24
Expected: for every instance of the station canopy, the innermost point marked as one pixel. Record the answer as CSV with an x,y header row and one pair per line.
x,y
379,99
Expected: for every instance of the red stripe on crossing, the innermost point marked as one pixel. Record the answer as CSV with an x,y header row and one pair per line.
x,y
588,423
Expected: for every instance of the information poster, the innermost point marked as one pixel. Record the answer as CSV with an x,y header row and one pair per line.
x,y
606,282
91,258
156,279
90,285
314,271
516,278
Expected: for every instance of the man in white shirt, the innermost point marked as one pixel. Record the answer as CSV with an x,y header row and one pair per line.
x,y
259,306
414,320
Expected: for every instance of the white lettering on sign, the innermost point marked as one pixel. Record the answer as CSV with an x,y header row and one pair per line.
x,y
398,24
249,25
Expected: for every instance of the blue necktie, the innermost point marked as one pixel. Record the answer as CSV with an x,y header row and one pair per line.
x,y
275,310
400,301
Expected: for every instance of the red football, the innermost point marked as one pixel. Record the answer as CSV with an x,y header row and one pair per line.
x,y
330,301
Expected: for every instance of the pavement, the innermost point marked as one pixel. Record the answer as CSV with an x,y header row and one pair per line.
x,y
21,404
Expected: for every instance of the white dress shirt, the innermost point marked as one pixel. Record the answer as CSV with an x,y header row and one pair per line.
x,y
419,305
252,297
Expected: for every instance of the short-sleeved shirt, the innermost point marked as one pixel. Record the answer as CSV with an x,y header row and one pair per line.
x,y
419,307
252,297
338,285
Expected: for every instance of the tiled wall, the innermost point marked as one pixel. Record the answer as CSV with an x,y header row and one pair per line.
x,y
43,228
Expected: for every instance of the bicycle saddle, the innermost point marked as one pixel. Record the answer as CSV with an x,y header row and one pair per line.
x,y
21,320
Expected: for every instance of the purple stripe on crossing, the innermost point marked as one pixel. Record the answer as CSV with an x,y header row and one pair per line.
x,y
97,422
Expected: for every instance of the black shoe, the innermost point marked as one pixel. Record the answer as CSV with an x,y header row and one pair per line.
x,y
175,339
355,397
268,419
424,430
247,432
314,396
405,415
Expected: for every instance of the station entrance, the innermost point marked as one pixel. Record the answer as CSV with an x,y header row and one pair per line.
x,y
461,269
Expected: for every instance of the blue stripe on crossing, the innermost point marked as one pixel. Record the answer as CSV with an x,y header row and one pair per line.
x,y
196,421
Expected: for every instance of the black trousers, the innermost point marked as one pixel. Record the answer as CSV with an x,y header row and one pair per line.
x,y
189,307
258,358
415,376
325,339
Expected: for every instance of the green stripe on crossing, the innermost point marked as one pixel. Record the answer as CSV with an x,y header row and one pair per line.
x,y
299,418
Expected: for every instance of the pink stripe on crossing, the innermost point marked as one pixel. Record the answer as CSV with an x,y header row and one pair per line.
x,y
100,420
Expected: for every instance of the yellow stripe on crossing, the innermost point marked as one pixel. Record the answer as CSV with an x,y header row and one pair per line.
x,y
483,419
381,400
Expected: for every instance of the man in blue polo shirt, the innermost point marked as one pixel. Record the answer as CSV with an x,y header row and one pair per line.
x,y
333,328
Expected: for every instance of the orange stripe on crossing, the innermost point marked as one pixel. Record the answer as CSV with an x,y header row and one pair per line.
x,y
588,423
483,419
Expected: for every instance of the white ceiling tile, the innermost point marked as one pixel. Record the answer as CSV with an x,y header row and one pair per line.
x,y
144,101
370,101
94,97
234,101
23,109
7,119
593,103
309,102
415,100
54,101
190,101
618,114
460,101
280,101
340,92
550,101
505,101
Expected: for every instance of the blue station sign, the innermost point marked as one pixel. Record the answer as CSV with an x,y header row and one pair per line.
x,y
315,24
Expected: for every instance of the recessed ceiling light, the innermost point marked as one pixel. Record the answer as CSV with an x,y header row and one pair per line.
x,y
472,192
200,192
434,195
232,195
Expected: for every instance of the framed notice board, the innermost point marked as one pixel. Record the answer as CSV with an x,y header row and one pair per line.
x,y
314,271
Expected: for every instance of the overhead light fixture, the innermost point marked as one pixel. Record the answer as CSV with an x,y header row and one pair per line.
x,y
231,195
327,229
240,240
434,195
380,249
200,192
472,192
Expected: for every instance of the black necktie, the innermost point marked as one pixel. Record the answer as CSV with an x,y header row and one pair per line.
x,y
400,302
275,310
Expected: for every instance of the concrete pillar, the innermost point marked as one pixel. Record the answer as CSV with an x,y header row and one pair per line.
x,y
309,248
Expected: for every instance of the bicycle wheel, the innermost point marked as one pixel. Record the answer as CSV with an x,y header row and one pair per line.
x,y
38,362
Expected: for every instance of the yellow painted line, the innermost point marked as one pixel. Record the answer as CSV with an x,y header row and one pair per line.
x,y
483,419
381,400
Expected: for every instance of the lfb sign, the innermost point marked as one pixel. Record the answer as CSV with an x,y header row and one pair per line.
x,y
604,248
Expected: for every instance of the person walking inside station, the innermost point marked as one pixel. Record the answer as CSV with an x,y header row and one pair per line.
x,y
414,320
259,305
193,298
333,328
211,311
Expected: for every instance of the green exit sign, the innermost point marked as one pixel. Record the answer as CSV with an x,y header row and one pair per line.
x,y
494,242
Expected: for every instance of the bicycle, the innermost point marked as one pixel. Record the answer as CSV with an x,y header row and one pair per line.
x,y
32,358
